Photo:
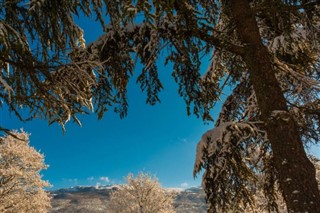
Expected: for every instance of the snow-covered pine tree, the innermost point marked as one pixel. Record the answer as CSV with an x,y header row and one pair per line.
x,y
267,51
273,111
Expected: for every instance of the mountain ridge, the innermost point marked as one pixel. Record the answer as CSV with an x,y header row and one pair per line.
x,y
94,199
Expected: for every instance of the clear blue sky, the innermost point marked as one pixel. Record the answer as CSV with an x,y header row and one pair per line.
x,y
158,139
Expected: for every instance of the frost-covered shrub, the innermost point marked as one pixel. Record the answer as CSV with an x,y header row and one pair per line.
x,y
21,184
141,194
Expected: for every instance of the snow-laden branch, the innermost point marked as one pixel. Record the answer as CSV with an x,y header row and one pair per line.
x,y
7,87
235,157
286,69
167,30
218,142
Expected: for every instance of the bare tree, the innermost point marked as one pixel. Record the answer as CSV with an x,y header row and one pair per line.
x,y
141,194
21,184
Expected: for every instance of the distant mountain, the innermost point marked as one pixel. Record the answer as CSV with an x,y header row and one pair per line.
x,y
89,199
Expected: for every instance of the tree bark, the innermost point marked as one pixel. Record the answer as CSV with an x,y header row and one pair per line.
x,y
295,173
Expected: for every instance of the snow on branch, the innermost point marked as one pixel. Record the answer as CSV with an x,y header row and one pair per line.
x,y
297,77
7,87
220,140
234,156
113,53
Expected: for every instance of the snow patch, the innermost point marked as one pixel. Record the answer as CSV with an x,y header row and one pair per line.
x,y
174,189
288,180
284,162
219,141
280,114
7,87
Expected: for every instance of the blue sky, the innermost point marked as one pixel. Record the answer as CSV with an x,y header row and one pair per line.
x,y
157,139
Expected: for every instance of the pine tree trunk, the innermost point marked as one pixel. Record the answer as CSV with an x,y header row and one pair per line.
x,y
296,174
